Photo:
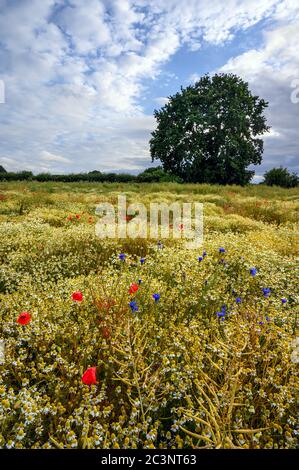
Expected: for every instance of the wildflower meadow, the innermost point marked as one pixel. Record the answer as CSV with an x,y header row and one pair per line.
x,y
143,343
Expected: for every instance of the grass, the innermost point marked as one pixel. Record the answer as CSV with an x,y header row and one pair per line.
x,y
174,373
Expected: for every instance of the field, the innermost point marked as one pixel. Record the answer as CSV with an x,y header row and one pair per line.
x,y
211,361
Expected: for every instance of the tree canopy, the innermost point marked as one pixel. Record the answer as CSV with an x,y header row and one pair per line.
x,y
210,132
281,177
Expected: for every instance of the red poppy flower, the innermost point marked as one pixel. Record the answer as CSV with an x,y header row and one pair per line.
x,y
24,318
77,296
181,226
105,332
70,217
133,288
90,376
78,216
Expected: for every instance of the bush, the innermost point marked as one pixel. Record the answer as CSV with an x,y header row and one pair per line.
x,y
281,177
156,175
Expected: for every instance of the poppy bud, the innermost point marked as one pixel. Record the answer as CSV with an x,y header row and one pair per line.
x,y
105,332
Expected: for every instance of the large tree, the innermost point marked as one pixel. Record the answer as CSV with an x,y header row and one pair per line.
x,y
209,132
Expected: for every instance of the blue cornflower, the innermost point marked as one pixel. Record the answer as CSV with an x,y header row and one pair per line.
x,y
204,254
253,271
122,256
142,260
222,250
261,322
266,291
283,300
267,318
238,300
220,314
139,281
156,297
134,306
200,258
223,312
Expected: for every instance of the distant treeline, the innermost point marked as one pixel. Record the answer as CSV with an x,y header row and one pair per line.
x,y
150,175
274,177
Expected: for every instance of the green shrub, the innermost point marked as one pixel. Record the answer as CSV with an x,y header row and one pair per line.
x,y
281,177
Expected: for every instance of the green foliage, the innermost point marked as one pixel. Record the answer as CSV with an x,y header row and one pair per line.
x,y
93,176
150,175
281,177
157,174
20,176
2,169
209,132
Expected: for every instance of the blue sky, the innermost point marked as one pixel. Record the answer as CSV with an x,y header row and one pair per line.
x,y
82,77
185,65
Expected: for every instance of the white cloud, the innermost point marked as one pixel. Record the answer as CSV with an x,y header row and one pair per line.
x,y
76,72
194,77
85,24
51,157
161,100
8,162
270,70
257,178
271,134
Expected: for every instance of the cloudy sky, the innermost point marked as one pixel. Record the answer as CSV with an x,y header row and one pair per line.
x,y
82,77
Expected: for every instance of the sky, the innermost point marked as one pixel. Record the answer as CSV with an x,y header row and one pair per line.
x,y
80,79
